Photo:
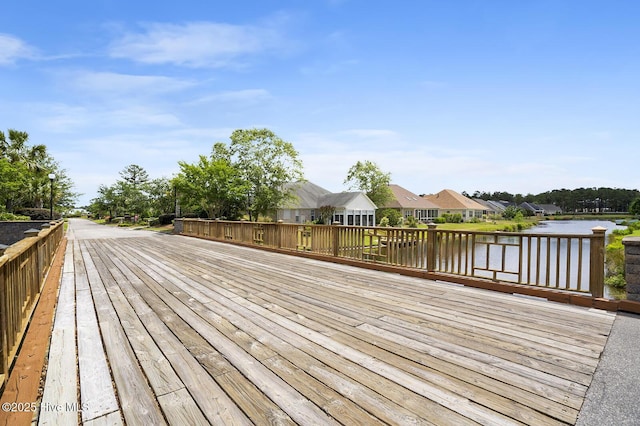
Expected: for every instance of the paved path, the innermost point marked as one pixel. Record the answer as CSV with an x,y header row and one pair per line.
x,y
613,398
175,330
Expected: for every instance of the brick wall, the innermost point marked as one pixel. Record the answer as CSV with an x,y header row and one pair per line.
x,y
632,267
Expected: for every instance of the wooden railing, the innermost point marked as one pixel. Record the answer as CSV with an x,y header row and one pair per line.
x,y
23,267
564,262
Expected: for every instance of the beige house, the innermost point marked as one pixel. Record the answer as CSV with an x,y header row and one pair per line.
x,y
410,204
451,202
349,208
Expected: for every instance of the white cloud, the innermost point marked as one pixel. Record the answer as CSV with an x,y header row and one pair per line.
x,y
117,84
239,97
12,48
196,44
371,133
65,118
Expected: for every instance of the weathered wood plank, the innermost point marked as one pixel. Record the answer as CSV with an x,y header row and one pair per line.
x,y
96,391
250,367
137,401
60,392
112,419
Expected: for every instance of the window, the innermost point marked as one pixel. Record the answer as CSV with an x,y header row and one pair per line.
x,y
358,220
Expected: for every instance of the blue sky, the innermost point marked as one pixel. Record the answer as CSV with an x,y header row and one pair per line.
x,y
518,96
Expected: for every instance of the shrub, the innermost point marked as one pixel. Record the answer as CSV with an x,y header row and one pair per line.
x,y
616,281
13,217
37,214
452,217
384,222
411,222
166,219
393,215
440,219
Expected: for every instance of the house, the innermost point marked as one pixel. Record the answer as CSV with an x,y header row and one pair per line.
x,y
348,208
550,209
451,202
532,208
410,204
492,207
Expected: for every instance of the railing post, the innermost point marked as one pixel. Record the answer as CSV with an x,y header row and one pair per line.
x,y
279,229
632,267
335,229
4,344
596,276
431,246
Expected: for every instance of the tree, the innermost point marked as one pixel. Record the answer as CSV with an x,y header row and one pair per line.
x,y
634,208
160,193
134,175
24,171
212,184
368,177
129,195
326,213
265,164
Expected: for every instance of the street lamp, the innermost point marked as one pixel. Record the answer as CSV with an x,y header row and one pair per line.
x,y
51,178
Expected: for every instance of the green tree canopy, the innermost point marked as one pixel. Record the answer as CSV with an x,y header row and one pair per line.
x,y
265,164
134,194
24,171
368,177
212,184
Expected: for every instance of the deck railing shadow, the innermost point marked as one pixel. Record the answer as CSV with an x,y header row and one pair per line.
x,y
572,263
23,268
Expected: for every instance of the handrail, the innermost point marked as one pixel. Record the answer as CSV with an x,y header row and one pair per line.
x,y
567,262
23,268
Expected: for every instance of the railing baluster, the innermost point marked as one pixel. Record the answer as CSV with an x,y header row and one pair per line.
x,y
510,257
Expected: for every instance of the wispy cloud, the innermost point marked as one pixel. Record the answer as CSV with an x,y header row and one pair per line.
x,y
118,84
65,118
371,133
196,44
13,48
237,97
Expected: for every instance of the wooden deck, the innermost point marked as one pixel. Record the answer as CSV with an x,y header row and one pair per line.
x,y
163,329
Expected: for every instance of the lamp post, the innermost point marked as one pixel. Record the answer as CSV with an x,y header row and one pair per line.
x,y
51,179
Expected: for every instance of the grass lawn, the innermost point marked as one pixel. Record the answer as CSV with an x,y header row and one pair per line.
x,y
499,225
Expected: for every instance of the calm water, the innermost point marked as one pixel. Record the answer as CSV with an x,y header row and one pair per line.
x,y
580,227
572,227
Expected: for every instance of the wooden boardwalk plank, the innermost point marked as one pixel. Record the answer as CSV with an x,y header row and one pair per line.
x,y
535,386
97,395
137,401
244,336
61,390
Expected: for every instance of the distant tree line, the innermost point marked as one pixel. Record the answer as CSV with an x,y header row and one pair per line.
x,y
571,200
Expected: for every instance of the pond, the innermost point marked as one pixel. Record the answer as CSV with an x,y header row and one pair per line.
x,y
580,227
572,227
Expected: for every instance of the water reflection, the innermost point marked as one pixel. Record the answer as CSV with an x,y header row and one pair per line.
x,y
560,260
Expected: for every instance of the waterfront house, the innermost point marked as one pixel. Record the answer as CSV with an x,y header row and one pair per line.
x,y
550,209
492,207
348,208
451,202
532,209
410,204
